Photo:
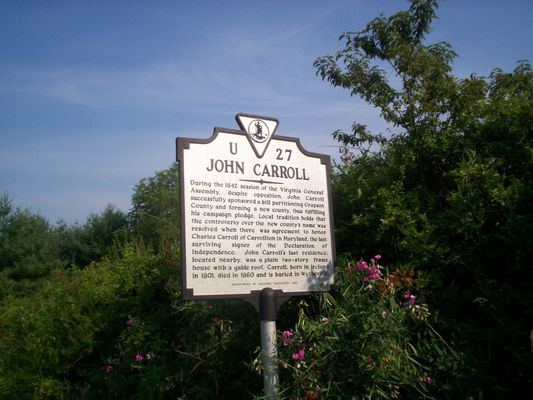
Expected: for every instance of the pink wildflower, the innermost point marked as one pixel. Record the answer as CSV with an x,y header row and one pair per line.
x,y
287,338
129,322
107,368
139,357
362,265
372,274
410,298
299,356
377,257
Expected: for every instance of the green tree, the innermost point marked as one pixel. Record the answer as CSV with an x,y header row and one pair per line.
x,y
448,193
155,210
6,207
84,244
28,249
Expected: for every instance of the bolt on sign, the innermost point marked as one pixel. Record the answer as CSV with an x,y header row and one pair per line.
x,y
256,213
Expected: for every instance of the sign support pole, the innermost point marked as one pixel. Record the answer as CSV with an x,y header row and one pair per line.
x,y
267,311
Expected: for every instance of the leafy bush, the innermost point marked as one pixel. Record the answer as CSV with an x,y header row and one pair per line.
x,y
370,338
119,329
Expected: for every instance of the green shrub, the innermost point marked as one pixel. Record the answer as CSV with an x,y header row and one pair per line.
x,y
119,329
370,338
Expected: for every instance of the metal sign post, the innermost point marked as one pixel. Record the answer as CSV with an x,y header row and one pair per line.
x,y
256,222
267,318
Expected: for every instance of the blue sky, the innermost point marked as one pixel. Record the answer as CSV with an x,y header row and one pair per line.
x,y
94,93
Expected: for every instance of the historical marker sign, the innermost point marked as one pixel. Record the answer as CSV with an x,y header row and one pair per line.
x,y
255,213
